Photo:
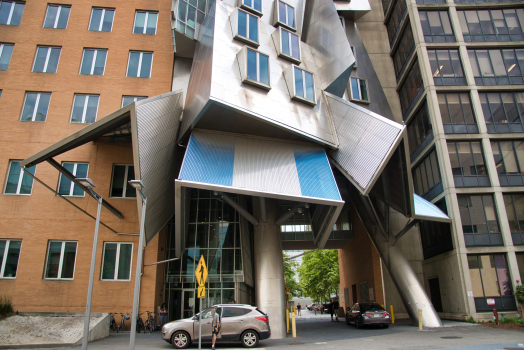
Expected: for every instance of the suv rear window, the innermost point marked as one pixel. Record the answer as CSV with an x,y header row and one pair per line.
x,y
371,307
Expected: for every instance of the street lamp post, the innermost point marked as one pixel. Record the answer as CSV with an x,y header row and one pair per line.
x,y
139,186
89,185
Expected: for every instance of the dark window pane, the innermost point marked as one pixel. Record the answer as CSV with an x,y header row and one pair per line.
x,y
53,259
68,260
124,261
252,65
117,188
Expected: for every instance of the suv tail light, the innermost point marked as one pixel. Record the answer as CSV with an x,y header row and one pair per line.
x,y
263,318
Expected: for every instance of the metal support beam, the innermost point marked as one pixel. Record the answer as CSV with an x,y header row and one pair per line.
x,y
74,179
305,253
67,200
263,212
406,228
161,262
238,208
288,215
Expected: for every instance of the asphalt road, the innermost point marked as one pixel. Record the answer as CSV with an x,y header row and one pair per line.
x,y
319,332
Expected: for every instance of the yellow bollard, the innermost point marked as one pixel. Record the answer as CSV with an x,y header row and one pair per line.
x,y
392,315
419,319
294,325
287,320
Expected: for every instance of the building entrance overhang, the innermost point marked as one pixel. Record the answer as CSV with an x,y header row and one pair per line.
x,y
151,125
258,167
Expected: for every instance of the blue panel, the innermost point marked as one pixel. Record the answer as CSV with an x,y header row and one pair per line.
x,y
427,209
315,176
209,160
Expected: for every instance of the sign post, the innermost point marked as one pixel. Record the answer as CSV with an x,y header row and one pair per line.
x,y
201,276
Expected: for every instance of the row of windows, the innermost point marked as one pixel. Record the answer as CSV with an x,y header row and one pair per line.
x,y
85,107
57,17
61,260
497,67
93,62
395,19
20,183
402,53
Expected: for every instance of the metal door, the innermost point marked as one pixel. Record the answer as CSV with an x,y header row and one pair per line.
x,y
189,307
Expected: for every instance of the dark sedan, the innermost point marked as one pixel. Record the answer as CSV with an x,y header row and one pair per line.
x,y
368,314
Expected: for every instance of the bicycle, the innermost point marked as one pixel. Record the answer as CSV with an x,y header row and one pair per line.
x,y
112,323
139,323
150,322
122,325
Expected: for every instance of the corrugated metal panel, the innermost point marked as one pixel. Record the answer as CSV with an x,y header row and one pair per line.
x,y
261,165
426,209
157,127
366,141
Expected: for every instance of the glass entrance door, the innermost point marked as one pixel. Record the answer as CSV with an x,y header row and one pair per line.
x,y
189,306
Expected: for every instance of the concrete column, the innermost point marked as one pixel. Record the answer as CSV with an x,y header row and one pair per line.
x,y
269,268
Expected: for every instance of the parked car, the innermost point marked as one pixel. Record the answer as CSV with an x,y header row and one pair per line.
x,y
311,307
368,314
238,323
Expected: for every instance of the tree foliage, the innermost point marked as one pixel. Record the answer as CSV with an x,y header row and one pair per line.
x,y
290,271
318,274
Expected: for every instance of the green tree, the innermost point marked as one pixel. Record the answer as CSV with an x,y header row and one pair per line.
x,y
318,274
290,271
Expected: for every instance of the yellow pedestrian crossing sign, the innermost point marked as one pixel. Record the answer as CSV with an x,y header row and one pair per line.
x,y
201,292
201,273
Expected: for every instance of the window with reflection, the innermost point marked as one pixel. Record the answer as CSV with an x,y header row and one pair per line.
x,y
57,16
509,160
189,14
359,89
101,19
395,19
427,182
446,67
405,48
145,22
480,224
497,67
467,164
503,111
304,86
514,203
456,112
254,5
6,50
257,67
419,131
11,12
410,88
9,255
286,15
492,25
247,29
18,182
436,26
490,280
290,44
60,262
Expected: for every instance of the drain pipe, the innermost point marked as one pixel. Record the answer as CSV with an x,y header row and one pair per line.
x,y
237,207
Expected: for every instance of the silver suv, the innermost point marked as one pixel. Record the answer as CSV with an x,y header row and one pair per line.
x,y
238,323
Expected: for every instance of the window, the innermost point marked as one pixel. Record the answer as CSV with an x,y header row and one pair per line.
x,y
405,48
46,60
130,99
427,182
11,12
286,15
467,164
61,257
359,90
492,25
67,187
509,160
395,19
503,111
304,88
410,89
419,131
35,108
490,280
422,2
247,28
101,19
289,45
479,220
436,236
93,62
57,16
234,311
85,108
116,264
436,26
18,182
139,64
188,15
122,173
253,5
457,114
257,69
6,50
145,22
353,50
497,67
514,203
9,254
446,67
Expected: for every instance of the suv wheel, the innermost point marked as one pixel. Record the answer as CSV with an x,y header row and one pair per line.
x,y
180,340
249,339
